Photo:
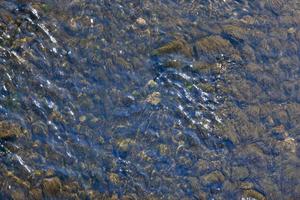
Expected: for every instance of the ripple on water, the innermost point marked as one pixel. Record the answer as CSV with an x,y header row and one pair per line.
x,y
26,49
103,116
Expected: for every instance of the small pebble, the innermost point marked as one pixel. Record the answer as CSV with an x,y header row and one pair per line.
x,y
82,118
141,21
154,98
151,83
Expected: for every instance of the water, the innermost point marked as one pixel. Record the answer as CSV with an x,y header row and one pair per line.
x,y
149,99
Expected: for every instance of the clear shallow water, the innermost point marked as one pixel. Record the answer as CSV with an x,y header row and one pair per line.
x,y
152,99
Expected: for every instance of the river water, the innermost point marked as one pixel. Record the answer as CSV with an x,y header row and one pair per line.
x,y
154,99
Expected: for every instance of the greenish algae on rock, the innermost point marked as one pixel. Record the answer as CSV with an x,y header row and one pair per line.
x,y
9,130
214,44
275,6
235,32
254,194
239,173
51,187
124,144
154,98
203,67
213,177
36,193
175,46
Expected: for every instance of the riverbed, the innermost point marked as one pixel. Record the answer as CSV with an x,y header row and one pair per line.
x,y
154,99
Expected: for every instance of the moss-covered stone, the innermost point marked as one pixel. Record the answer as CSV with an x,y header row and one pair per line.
x,y
163,149
235,32
123,144
82,118
239,173
215,45
246,185
18,194
122,62
114,178
36,194
17,180
151,84
10,130
213,177
143,155
207,87
51,187
254,194
175,46
276,6
209,68
248,53
227,131
173,64
202,166
153,98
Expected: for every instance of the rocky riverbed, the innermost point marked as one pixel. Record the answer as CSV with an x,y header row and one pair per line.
x,y
150,99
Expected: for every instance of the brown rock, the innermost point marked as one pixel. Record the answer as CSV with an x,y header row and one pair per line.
x,y
18,194
175,46
276,6
240,173
9,130
114,178
36,194
254,194
214,45
235,32
248,53
51,186
204,67
213,177
154,98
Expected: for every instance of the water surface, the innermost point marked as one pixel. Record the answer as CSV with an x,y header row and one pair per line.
x,y
149,99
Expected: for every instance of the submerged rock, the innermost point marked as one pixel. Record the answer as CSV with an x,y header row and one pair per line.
x,y
253,194
124,144
164,149
213,177
51,187
240,173
114,178
36,194
235,32
175,46
154,98
276,6
17,180
151,84
215,44
9,130
141,21
18,194
204,67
